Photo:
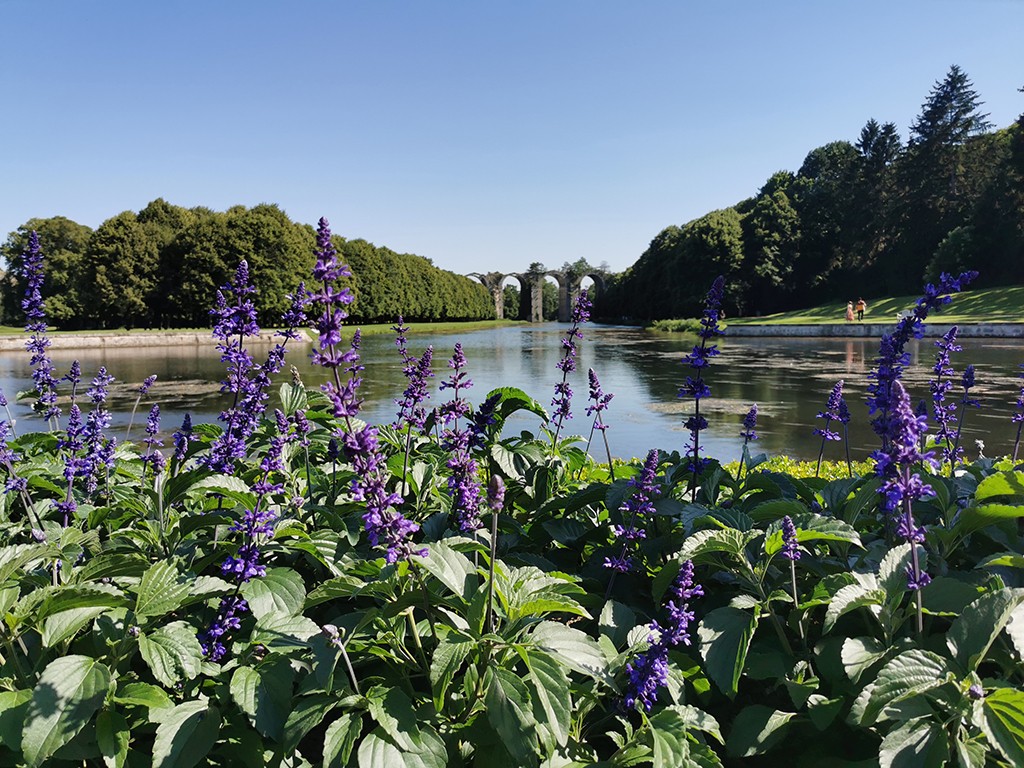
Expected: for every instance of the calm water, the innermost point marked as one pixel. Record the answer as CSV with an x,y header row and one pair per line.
x,y
789,379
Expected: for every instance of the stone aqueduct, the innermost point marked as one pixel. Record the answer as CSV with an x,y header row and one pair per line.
x,y
531,291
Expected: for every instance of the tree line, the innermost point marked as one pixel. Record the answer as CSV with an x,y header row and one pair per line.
x,y
872,217
161,268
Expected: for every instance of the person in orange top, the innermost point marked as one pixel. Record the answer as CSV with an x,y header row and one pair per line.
x,y
862,307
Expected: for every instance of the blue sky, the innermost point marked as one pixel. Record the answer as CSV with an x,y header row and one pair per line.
x,y
483,135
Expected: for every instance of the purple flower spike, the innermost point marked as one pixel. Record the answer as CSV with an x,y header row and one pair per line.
x,y
695,387
892,355
562,401
1018,417
146,384
790,546
35,324
636,509
599,399
648,672
749,425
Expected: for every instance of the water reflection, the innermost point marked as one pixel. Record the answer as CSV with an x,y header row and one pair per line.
x,y
789,379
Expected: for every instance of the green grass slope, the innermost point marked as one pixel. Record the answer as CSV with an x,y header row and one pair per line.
x,y
990,305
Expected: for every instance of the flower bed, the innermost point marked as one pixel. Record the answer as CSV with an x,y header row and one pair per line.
x,y
304,588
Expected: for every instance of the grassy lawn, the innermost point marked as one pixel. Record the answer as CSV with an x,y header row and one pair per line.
x,y
990,305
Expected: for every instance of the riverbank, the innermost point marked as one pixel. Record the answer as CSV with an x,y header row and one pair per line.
x,y
201,337
937,327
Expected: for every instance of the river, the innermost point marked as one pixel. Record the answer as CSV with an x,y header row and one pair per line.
x,y
789,379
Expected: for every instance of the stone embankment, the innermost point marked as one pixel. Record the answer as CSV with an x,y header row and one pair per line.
x,y
933,329
120,340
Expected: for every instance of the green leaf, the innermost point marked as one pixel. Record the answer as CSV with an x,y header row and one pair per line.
x,y
616,620
776,509
1003,723
13,706
850,598
860,654
231,488
976,517
892,571
265,695
573,648
549,686
280,589
112,735
669,746
143,695
64,625
909,674
1001,485
68,693
725,635
977,627
816,528
172,652
307,714
282,631
508,708
972,753
756,729
80,596
915,744
704,543
376,751
293,397
448,657
1003,559
339,738
514,399
185,735
453,569
394,713
162,590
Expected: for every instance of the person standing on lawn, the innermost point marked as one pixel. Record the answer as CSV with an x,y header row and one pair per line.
x,y
862,307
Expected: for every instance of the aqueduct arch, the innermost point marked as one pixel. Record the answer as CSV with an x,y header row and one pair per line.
x,y
531,291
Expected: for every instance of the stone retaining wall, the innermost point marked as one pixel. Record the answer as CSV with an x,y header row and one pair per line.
x,y
124,340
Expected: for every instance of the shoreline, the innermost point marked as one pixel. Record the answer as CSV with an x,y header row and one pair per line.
x,y
123,339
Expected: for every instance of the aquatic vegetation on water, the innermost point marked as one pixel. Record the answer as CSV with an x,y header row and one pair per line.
x,y
304,588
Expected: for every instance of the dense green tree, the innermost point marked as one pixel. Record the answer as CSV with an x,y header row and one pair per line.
x,y
63,243
511,299
823,199
279,253
119,275
934,197
771,236
193,267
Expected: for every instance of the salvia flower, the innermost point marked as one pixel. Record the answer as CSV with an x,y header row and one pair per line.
x,y
748,432
955,454
695,387
635,511
181,439
418,372
228,620
790,546
830,414
648,672
599,401
940,385
153,456
892,354
562,401
35,324
902,486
